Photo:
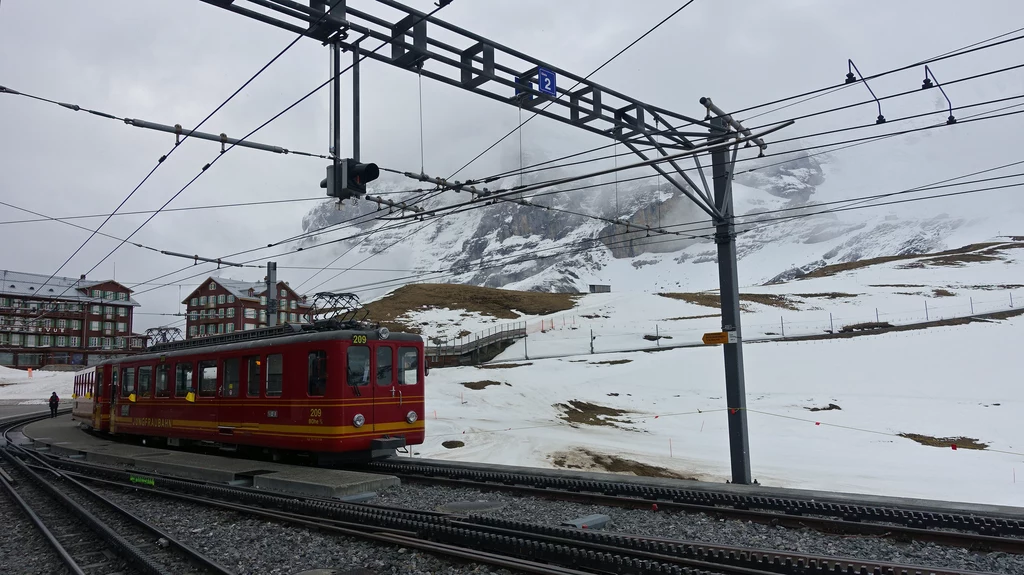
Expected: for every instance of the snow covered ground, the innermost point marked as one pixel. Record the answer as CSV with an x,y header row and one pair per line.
x,y
941,382
17,387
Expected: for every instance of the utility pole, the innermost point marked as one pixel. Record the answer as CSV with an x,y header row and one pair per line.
x,y
271,294
336,109
725,237
355,103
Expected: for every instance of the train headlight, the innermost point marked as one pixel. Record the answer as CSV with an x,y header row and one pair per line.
x,y
411,417
358,420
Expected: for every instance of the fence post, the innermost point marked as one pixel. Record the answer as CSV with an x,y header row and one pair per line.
x,y
591,341
925,310
972,306
526,352
831,326
876,315
782,322
1011,299
657,336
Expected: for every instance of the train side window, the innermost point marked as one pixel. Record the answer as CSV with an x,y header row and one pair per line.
x,y
385,365
162,389
317,373
232,377
358,365
145,377
182,379
408,365
127,381
253,376
208,378
113,383
275,374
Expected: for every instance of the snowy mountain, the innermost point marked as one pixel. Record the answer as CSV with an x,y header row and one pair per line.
x,y
527,247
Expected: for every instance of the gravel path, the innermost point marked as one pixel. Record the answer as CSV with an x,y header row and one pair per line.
x,y
251,545
701,527
23,549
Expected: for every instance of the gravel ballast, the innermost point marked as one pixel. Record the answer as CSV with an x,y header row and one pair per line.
x,y
251,545
23,549
701,527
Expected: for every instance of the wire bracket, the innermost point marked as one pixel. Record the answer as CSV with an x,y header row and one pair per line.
x,y
851,78
928,77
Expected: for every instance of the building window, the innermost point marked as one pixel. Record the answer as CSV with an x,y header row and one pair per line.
x,y
253,378
4,302
250,313
231,298
263,300
231,328
221,298
110,311
96,293
119,342
122,311
195,301
213,285
30,341
108,326
74,341
108,343
202,329
249,326
62,324
231,312
15,339
193,315
192,331
263,316
94,342
220,313
108,295
283,294
202,314
122,296
76,324
44,341
282,318
161,387
294,317
47,323
94,326
62,341
96,309
202,300
121,326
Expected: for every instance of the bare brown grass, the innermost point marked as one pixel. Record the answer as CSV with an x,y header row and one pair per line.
x,y
586,459
502,365
452,444
981,252
939,292
478,385
586,413
868,325
499,303
828,407
611,362
712,299
828,295
960,442
685,317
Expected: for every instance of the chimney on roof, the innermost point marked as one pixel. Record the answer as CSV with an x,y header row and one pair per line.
x,y
83,277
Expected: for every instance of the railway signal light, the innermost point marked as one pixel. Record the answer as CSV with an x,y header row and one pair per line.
x,y
350,180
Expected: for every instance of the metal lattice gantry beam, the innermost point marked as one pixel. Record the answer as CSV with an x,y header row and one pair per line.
x,y
476,64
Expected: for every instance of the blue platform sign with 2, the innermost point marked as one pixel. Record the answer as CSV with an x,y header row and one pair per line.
x,y
546,82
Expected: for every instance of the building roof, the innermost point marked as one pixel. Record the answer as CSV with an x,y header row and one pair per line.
x,y
240,288
25,284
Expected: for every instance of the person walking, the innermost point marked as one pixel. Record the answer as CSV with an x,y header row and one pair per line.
x,y
54,402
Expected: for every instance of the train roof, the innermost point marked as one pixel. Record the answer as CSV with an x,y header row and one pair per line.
x,y
270,337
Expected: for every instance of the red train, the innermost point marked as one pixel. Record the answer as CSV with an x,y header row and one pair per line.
x,y
330,393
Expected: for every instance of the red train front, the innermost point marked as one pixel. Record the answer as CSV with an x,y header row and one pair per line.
x,y
327,392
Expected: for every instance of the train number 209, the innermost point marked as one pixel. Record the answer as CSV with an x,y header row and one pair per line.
x,y
359,339
315,416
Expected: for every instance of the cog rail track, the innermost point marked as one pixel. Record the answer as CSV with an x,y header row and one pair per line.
x,y
88,532
962,530
521,546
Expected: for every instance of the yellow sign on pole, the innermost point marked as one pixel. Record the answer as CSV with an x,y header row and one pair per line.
x,y
715,338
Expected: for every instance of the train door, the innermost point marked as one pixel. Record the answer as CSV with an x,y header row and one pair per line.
x,y
114,392
388,396
359,390
97,399
228,409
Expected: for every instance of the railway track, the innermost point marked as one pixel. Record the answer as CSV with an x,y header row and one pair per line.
x,y
90,533
515,545
949,529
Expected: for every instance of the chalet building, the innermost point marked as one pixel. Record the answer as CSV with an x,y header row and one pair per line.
x,y
223,305
64,321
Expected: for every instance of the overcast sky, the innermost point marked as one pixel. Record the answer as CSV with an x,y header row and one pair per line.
x,y
174,61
